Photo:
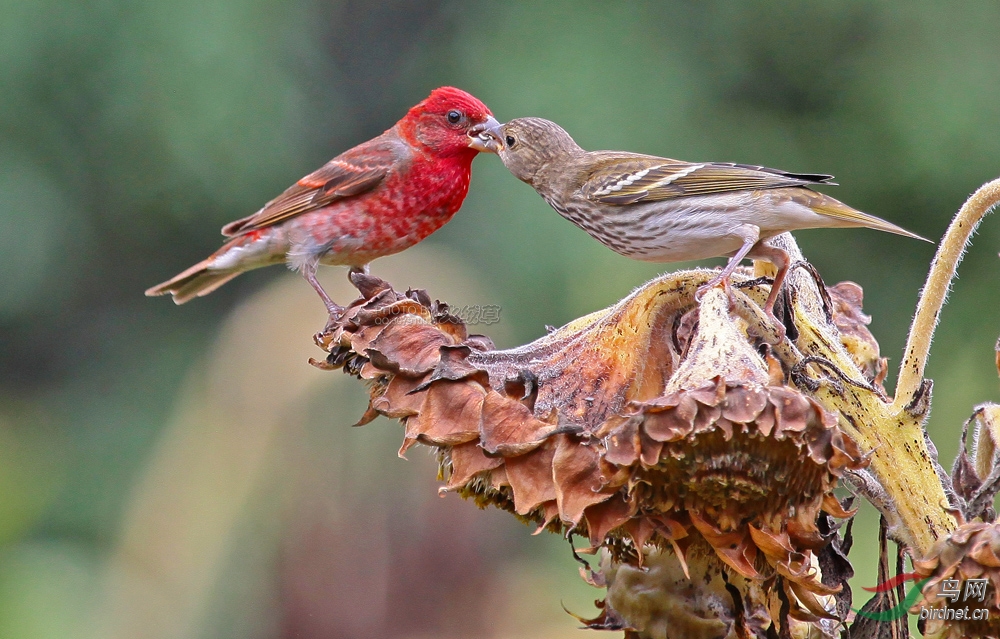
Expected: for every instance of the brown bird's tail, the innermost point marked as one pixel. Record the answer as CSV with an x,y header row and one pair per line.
x,y
844,216
195,282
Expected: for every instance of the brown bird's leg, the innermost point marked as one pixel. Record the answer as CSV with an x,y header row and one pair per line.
x,y
309,272
755,249
779,258
750,237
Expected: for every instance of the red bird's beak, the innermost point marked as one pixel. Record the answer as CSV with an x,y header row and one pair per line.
x,y
485,137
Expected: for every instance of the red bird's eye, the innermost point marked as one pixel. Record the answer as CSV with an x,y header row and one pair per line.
x,y
454,116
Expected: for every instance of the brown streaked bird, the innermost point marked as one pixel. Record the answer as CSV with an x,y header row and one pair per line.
x,y
661,210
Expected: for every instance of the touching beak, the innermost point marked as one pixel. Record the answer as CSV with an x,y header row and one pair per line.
x,y
486,137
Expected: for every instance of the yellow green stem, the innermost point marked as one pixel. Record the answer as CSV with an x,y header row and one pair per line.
x,y
932,298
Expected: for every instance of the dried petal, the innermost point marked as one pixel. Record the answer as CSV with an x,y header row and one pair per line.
x,y
744,403
512,429
413,351
449,415
531,479
577,474
622,442
398,400
604,517
672,423
467,461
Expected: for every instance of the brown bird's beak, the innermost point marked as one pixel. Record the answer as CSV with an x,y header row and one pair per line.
x,y
486,136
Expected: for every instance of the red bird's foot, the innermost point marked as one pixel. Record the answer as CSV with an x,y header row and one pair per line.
x,y
368,285
325,336
332,308
336,314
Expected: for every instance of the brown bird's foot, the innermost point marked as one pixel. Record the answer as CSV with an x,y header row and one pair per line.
x,y
769,328
780,260
727,286
335,314
779,326
723,279
333,309
757,250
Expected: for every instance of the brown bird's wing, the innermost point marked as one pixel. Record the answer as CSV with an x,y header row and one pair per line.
x,y
616,178
353,172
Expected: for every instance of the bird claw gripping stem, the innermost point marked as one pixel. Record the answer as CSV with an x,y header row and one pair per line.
x,y
368,285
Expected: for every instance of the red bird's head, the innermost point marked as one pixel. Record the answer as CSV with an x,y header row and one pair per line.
x,y
448,123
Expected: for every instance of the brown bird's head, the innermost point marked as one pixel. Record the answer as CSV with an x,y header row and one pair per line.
x,y
448,123
526,145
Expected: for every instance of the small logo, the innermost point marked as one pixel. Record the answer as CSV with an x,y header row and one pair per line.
x,y
899,610
975,589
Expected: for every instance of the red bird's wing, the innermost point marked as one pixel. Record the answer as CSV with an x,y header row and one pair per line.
x,y
350,174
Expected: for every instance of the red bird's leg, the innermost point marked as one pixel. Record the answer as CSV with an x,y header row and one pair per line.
x,y
309,272
363,270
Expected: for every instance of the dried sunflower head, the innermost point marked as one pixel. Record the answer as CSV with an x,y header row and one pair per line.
x,y
657,423
660,601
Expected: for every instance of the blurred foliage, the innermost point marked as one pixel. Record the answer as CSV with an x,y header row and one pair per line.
x,y
130,131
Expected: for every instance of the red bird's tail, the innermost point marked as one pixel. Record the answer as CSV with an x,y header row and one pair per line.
x,y
210,273
195,282
241,253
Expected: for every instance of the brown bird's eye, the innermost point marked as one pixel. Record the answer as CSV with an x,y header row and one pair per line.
x,y
454,116
510,141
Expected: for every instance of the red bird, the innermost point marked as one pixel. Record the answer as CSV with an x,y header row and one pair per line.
x,y
376,199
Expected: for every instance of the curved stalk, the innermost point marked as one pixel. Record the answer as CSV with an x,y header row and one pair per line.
x,y
935,292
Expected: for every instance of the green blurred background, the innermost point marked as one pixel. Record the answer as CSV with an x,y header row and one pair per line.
x,y
183,472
